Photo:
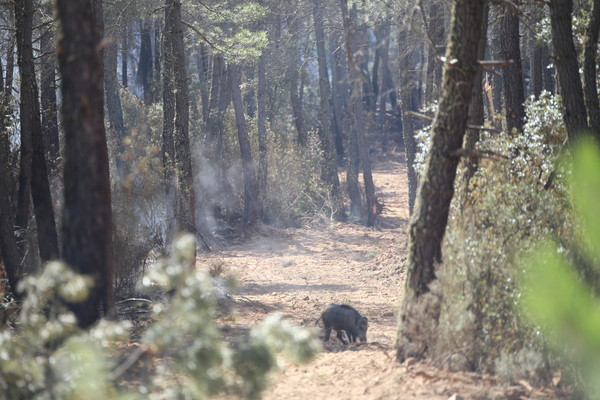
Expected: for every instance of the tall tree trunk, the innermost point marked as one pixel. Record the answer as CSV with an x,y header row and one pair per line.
x,y
565,59
408,98
31,132
294,75
125,56
251,202
113,98
203,61
434,67
429,220
144,72
263,168
185,196
10,53
356,77
48,96
537,69
8,244
329,167
87,220
590,50
476,115
339,86
514,95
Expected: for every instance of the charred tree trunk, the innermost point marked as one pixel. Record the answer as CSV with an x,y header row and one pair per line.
x,y
203,61
124,56
113,98
293,79
565,59
185,196
409,100
144,71
429,220
514,95
339,86
251,203
356,77
31,133
329,167
87,221
590,88
263,168
48,97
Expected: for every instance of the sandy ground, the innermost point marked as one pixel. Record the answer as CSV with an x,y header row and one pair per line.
x,y
300,271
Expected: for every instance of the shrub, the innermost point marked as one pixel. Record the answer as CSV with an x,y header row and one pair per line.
x,y
47,356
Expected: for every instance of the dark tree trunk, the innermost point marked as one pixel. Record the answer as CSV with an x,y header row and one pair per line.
x,y
144,72
430,217
339,86
124,56
329,167
537,69
251,204
565,59
31,132
549,74
185,196
476,115
294,74
113,98
203,73
157,35
48,96
168,141
590,50
514,95
8,244
356,77
87,220
263,168
434,67
408,98
10,54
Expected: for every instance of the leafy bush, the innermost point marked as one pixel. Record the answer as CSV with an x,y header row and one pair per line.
x,y
47,356
503,209
561,296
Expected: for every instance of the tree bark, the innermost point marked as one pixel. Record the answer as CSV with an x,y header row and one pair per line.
x,y
185,196
263,167
356,77
87,220
590,50
408,99
144,72
113,98
203,61
48,96
294,71
514,95
251,202
124,56
339,90
565,60
428,222
329,167
31,133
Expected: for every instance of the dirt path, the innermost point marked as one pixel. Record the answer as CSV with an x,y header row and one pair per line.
x,y
300,271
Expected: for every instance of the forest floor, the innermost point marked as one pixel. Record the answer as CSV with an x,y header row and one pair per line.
x,y
299,271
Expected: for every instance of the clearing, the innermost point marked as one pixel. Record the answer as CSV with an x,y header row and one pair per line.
x,y
299,271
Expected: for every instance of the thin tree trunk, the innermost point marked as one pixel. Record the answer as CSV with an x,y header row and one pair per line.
x,y
113,98
263,167
10,52
31,130
48,97
294,74
251,204
359,118
185,199
408,99
514,96
590,50
87,220
565,59
329,167
144,72
339,82
430,217
537,72
203,71
124,56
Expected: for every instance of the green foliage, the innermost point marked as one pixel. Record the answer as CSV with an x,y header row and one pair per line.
x,y
503,209
556,297
47,356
